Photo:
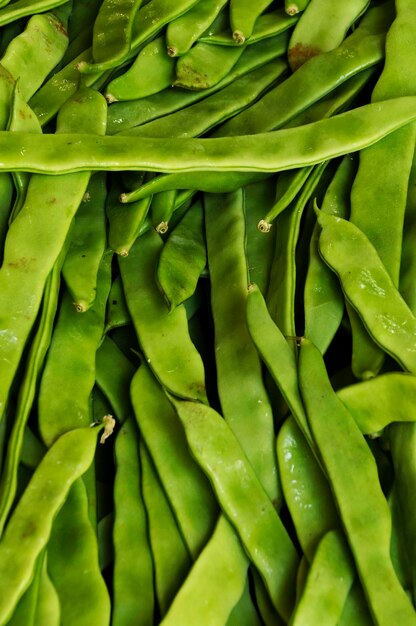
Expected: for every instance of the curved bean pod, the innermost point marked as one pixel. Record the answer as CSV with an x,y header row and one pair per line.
x,y
243,397
112,34
33,54
29,527
36,237
205,65
266,25
23,8
171,558
183,257
183,32
380,401
88,243
322,27
353,476
133,566
243,499
124,115
151,71
328,583
224,564
114,373
186,487
265,152
73,563
243,16
369,289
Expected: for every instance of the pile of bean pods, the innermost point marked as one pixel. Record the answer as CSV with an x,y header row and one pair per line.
x,y
207,313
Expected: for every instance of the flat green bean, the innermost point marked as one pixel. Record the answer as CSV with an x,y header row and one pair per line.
x,y
48,610
151,71
265,152
171,558
214,584
29,527
183,257
117,312
124,115
73,563
328,583
364,48
113,374
36,237
185,485
199,118
204,65
243,499
322,27
369,288
353,476
133,568
25,611
243,398
183,32
163,335
70,369
23,8
33,54
88,243
243,16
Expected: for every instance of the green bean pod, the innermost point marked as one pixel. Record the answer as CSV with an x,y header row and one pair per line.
x,y
385,168
163,335
243,398
183,257
380,401
214,584
133,568
87,247
266,25
276,353
48,610
152,71
125,222
30,379
33,54
162,208
65,461
112,34
40,230
306,489
369,288
185,485
124,115
328,583
244,613
243,16
117,312
292,8
364,48
70,369
114,373
323,301
199,118
171,558
243,499
265,152
73,563
153,16
205,65
184,31
353,476
322,27
23,8
6,206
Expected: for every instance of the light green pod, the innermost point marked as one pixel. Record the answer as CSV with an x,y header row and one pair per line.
x,y
152,71
183,257
243,16
33,54
183,32
65,461
204,65
73,564
88,242
171,558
